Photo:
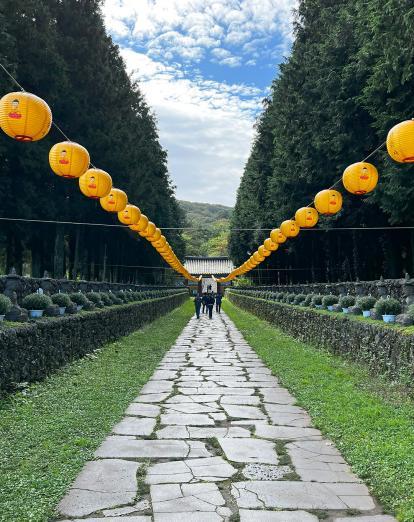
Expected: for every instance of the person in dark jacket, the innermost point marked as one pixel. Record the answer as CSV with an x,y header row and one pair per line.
x,y
204,302
219,298
197,305
210,305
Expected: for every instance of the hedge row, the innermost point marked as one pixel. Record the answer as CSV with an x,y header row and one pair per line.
x,y
31,351
386,350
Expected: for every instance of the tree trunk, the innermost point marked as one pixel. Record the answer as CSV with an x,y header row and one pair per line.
x,y
59,253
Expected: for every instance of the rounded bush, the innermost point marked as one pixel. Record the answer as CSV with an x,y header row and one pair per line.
x,y
5,304
317,300
36,302
347,301
308,300
106,299
62,300
389,306
366,302
79,299
95,298
299,298
329,300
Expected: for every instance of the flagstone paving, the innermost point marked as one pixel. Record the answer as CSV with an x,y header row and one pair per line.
x,y
214,437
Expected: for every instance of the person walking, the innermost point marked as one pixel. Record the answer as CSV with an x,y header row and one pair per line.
x,y
197,305
219,298
210,305
204,302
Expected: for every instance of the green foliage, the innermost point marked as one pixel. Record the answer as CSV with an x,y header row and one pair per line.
x,y
317,300
332,102
410,311
329,300
62,300
308,300
95,298
79,298
366,302
242,281
346,301
211,224
61,52
299,298
48,432
389,306
5,304
368,419
36,302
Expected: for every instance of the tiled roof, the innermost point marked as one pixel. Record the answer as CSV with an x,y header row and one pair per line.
x,y
208,265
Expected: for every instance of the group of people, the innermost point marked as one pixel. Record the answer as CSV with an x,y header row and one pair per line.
x,y
206,301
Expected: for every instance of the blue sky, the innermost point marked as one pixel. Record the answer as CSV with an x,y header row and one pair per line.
x,y
204,67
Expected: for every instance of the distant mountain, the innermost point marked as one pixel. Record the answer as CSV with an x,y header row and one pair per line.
x,y
211,228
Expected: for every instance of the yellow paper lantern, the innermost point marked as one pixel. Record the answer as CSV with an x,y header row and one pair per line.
x,y
69,159
277,237
95,183
115,201
270,245
400,142
360,178
290,228
141,225
149,231
258,258
156,236
160,243
328,202
24,116
263,251
306,217
130,215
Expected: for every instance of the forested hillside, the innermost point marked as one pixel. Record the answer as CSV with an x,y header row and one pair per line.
x,y
349,79
61,52
211,228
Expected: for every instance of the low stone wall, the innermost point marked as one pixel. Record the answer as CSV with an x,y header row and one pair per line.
x,y
31,351
386,350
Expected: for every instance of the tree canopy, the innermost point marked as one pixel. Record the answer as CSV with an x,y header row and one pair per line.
x,y
348,80
61,52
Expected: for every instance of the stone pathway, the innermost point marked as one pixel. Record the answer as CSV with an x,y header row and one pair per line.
x,y
213,437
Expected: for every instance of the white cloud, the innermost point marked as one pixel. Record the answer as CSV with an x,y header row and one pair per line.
x,y
187,28
206,126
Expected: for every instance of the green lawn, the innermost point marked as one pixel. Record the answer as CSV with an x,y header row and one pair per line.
x,y
371,423
50,430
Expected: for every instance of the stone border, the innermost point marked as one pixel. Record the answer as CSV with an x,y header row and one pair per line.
x,y
385,350
31,351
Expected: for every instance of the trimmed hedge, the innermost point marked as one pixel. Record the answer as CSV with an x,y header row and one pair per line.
x,y
386,350
31,351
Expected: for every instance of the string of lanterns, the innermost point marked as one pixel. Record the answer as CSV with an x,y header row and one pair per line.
x,y
25,117
359,178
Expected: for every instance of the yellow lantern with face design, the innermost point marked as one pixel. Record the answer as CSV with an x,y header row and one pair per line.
x,y
115,201
277,237
328,202
24,116
270,245
263,251
306,217
360,178
400,142
130,215
290,228
141,225
69,159
95,183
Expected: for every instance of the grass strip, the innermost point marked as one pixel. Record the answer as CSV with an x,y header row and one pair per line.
x,y
372,424
49,430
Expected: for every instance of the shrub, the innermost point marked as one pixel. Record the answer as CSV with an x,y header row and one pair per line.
x,y
290,298
366,302
122,296
299,298
79,299
5,304
410,311
114,298
317,300
329,300
105,299
89,305
36,302
62,300
346,301
389,306
308,300
95,298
